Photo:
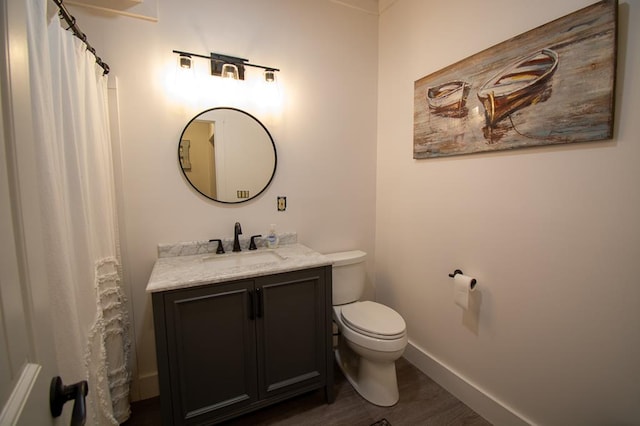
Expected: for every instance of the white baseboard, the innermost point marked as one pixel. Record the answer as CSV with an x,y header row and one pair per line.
x,y
147,386
473,396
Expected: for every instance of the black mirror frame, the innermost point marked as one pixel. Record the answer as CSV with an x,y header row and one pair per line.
x,y
273,144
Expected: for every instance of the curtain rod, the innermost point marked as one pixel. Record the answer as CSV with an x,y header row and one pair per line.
x,y
71,21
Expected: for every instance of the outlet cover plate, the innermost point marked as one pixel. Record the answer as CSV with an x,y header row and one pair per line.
x,y
282,203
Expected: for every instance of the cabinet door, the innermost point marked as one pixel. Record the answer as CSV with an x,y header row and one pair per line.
x,y
211,350
291,332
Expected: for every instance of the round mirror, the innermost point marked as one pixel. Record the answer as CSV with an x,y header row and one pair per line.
x,y
227,155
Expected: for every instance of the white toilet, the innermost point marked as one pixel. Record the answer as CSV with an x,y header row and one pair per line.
x,y
372,336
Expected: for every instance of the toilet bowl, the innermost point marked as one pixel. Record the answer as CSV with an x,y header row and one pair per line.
x,y
367,358
372,336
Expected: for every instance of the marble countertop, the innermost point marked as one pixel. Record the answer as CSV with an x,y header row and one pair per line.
x,y
183,271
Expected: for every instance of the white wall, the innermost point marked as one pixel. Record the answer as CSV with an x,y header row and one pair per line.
x,y
552,234
325,134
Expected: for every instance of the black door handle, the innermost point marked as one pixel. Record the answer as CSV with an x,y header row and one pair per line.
x,y
260,302
59,394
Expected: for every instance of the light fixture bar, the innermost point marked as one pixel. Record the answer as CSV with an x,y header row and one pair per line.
x,y
262,66
218,60
180,52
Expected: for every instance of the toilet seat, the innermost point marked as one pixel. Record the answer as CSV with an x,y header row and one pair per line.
x,y
374,320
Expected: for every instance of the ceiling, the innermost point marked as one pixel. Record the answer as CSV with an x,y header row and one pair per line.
x,y
148,9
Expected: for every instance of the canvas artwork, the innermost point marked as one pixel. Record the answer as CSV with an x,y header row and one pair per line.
x,y
551,85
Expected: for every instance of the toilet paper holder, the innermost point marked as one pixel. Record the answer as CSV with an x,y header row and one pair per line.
x,y
458,271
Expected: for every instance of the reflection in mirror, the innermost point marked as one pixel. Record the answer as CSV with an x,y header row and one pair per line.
x,y
227,155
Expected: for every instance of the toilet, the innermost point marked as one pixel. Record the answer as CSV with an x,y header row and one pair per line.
x,y
371,337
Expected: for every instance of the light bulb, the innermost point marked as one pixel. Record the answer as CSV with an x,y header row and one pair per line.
x,y
230,71
184,61
269,76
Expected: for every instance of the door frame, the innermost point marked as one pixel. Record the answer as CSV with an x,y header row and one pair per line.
x,y
32,370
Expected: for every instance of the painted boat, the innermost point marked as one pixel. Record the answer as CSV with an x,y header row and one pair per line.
x,y
449,96
519,84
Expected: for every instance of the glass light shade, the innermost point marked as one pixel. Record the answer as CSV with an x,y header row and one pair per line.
x,y
184,61
230,71
269,76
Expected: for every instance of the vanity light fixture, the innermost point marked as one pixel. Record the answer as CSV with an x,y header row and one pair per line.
x,y
226,66
229,71
269,75
184,61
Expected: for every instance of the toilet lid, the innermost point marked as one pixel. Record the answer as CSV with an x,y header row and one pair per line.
x,y
373,319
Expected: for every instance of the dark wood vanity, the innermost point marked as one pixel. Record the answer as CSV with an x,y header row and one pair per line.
x,y
235,346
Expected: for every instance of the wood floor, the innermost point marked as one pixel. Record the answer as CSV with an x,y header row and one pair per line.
x,y
422,402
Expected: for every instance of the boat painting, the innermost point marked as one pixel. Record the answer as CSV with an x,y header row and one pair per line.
x,y
551,85
518,85
448,99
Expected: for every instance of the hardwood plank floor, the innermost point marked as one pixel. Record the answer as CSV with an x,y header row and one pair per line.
x,y
422,402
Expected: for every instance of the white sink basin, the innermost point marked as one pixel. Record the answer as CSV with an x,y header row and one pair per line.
x,y
248,258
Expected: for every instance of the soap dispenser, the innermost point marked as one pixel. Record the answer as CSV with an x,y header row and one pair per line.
x,y
272,237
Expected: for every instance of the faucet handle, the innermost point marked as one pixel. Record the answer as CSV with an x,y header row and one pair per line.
x,y
220,249
252,244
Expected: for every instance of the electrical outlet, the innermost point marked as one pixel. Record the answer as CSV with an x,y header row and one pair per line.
x,y
282,203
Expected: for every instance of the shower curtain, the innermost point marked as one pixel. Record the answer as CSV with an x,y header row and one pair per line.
x,y
69,102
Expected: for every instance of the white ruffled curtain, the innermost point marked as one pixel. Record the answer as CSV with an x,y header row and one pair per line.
x,y
69,98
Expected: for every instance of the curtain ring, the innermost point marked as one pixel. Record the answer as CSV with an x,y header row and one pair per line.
x,y
71,21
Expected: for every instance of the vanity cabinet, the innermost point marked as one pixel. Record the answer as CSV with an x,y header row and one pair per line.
x,y
228,348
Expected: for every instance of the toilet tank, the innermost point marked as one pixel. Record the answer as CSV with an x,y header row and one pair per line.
x,y
348,276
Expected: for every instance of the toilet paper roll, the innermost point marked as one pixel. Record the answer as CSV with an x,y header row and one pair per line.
x,y
462,286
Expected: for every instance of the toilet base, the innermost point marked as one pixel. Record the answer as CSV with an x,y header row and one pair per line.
x,y
374,381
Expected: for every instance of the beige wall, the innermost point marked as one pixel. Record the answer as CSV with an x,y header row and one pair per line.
x,y
325,133
552,234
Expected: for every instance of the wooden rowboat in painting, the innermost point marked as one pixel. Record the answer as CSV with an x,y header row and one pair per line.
x,y
521,83
448,99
